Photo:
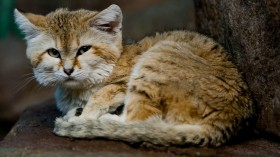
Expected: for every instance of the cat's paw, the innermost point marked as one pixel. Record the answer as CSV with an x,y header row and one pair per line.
x,y
81,116
77,120
75,112
93,114
109,116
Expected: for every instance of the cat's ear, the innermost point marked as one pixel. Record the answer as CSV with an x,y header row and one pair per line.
x,y
29,23
109,20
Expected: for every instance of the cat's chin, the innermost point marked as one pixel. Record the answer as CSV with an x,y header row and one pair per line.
x,y
72,84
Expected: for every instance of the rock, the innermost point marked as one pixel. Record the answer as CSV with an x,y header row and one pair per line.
x,y
249,30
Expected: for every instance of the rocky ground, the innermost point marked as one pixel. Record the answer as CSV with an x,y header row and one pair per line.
x,y
32,136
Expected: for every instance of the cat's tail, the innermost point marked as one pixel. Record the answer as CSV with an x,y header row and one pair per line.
x,y
153,131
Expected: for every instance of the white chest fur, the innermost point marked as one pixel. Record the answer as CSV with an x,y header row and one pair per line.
x,y
67,99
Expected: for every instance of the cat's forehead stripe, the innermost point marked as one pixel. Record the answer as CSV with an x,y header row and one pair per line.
x,y
65,27
64,40
77,40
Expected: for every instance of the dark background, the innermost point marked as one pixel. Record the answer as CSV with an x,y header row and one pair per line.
x,y
17,89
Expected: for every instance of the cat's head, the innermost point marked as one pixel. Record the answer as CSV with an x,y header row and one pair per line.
x,y
74,49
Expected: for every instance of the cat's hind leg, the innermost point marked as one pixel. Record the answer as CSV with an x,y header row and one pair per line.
x,y
142,100
139,107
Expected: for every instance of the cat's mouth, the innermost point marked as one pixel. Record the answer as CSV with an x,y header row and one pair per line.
x,y
71,82
70,79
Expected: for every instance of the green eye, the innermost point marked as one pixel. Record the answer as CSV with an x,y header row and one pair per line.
x,y
53,52
83,49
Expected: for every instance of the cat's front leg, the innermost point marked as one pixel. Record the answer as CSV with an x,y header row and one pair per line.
x,y
106,100
96,108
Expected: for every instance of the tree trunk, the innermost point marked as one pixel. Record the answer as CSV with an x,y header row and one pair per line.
x,y
250,31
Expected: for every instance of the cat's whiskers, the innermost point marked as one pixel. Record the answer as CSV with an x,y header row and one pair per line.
x,y
46,79
23,84
26,75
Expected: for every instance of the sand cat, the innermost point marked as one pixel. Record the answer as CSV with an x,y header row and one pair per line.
x,y
177,87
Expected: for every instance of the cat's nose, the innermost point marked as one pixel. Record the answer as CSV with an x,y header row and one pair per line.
x,y
68,71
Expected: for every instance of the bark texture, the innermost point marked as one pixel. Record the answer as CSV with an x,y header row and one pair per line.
x,y
250,31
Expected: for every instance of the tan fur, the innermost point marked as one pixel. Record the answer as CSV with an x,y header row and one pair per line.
x,y
178,87
185,78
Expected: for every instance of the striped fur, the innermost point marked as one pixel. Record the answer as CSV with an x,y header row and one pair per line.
x,y
182,90
178,88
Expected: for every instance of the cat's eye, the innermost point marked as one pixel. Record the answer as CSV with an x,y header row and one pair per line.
x,y
53,52
83,49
